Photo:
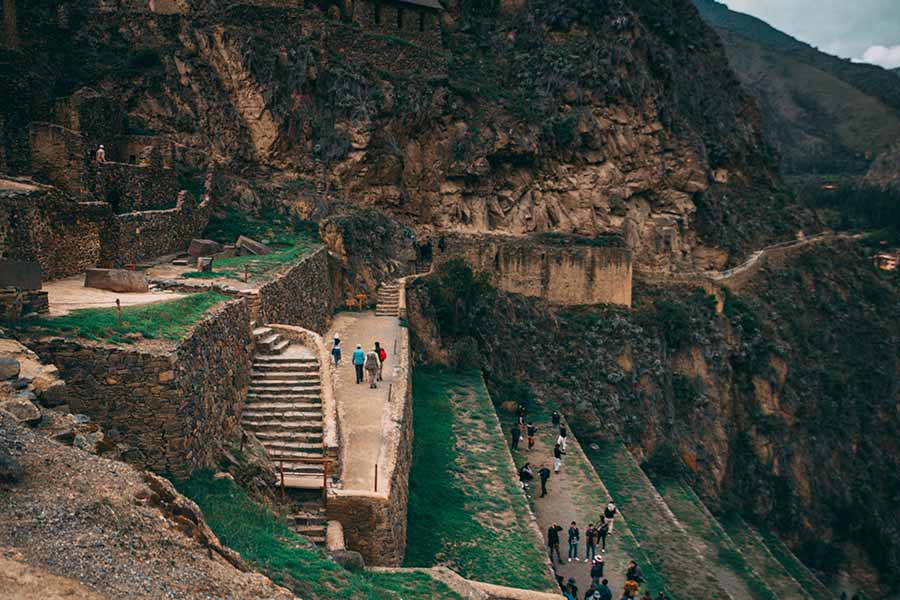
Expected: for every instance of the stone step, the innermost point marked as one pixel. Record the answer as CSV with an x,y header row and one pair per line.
x,y
288,437
268,416
259,332
282,367
285,426
300,360
293,449
278,380
269,402
293,469
295,375
280,347
308,518
270,338
295,390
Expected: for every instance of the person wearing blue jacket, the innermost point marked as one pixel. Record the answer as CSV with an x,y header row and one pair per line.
x,y
359,359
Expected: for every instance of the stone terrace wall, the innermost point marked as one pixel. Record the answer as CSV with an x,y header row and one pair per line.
x,y
59,156
134,187
565,274
132,237
383,52
38,223
171,407
300,296
374,524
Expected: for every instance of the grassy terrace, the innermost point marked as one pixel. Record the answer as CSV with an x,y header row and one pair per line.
x,y
661,538
290,241
169,320
466,510
719,549
268,544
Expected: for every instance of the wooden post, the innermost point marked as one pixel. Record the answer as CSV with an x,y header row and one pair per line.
x,y
390,391
395,346
246,274
376,478
119,311
281,468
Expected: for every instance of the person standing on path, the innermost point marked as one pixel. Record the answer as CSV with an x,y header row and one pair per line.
x,y
610,513
597,570
634,573
532,431
553,542
602,532
557,458
382,356
604,591
516,434
555,418
561,440
545,475
590,543
371,366
359,359
574,537
336,352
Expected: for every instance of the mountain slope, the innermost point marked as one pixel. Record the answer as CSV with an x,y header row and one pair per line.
x,y
823,113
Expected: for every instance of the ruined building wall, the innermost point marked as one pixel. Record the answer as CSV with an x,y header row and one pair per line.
x,y
561,274
59,156
171,407
39,224
130,188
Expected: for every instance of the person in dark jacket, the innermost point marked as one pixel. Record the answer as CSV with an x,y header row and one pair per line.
x,y
609,513
590,543
516,434
555,418
634,573
572,588
557,458
553,541
561,440
602,531
574,537
544,473
597,570
604,591
525,475
532,431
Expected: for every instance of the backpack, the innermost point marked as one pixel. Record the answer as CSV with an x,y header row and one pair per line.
x,y
382,354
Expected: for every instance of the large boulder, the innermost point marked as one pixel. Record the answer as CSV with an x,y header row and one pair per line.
x,y
200,248
117,280
9,367
252,246
21,274
10,469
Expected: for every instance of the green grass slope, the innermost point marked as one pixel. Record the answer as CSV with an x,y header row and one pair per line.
x,y
662,538
268,544
466,510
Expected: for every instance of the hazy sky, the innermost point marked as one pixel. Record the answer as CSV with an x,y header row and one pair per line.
x,y
866,30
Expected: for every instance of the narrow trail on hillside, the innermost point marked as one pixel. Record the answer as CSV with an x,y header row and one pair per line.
x,y
573,494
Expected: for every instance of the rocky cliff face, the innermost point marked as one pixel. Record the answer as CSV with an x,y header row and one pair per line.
x,y
583,117
782,407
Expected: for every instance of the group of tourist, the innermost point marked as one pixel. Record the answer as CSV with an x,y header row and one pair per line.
x,y
596,532
371,362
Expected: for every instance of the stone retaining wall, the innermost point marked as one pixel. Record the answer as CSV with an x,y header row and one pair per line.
x,y
300,296
474,590
130,188
561,273
171,406
374,523
132,237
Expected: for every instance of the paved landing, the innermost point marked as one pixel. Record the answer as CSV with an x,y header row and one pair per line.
x,y
363,411
70,294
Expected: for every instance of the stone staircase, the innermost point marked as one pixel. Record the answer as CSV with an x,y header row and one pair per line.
x,y
309,520
284,407
423,267
388,300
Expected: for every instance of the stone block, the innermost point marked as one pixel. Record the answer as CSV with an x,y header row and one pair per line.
x,y
117,280
55,394
204,248
9,367
204,264
21,274
24,411
252,246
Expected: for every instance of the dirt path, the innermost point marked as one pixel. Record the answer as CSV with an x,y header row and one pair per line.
x,y
573,494
363,410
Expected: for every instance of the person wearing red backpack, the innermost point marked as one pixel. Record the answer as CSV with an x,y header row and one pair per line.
x,y
382,356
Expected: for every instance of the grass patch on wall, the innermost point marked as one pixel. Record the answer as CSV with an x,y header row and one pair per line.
x,y
466,510
169,320
265,541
